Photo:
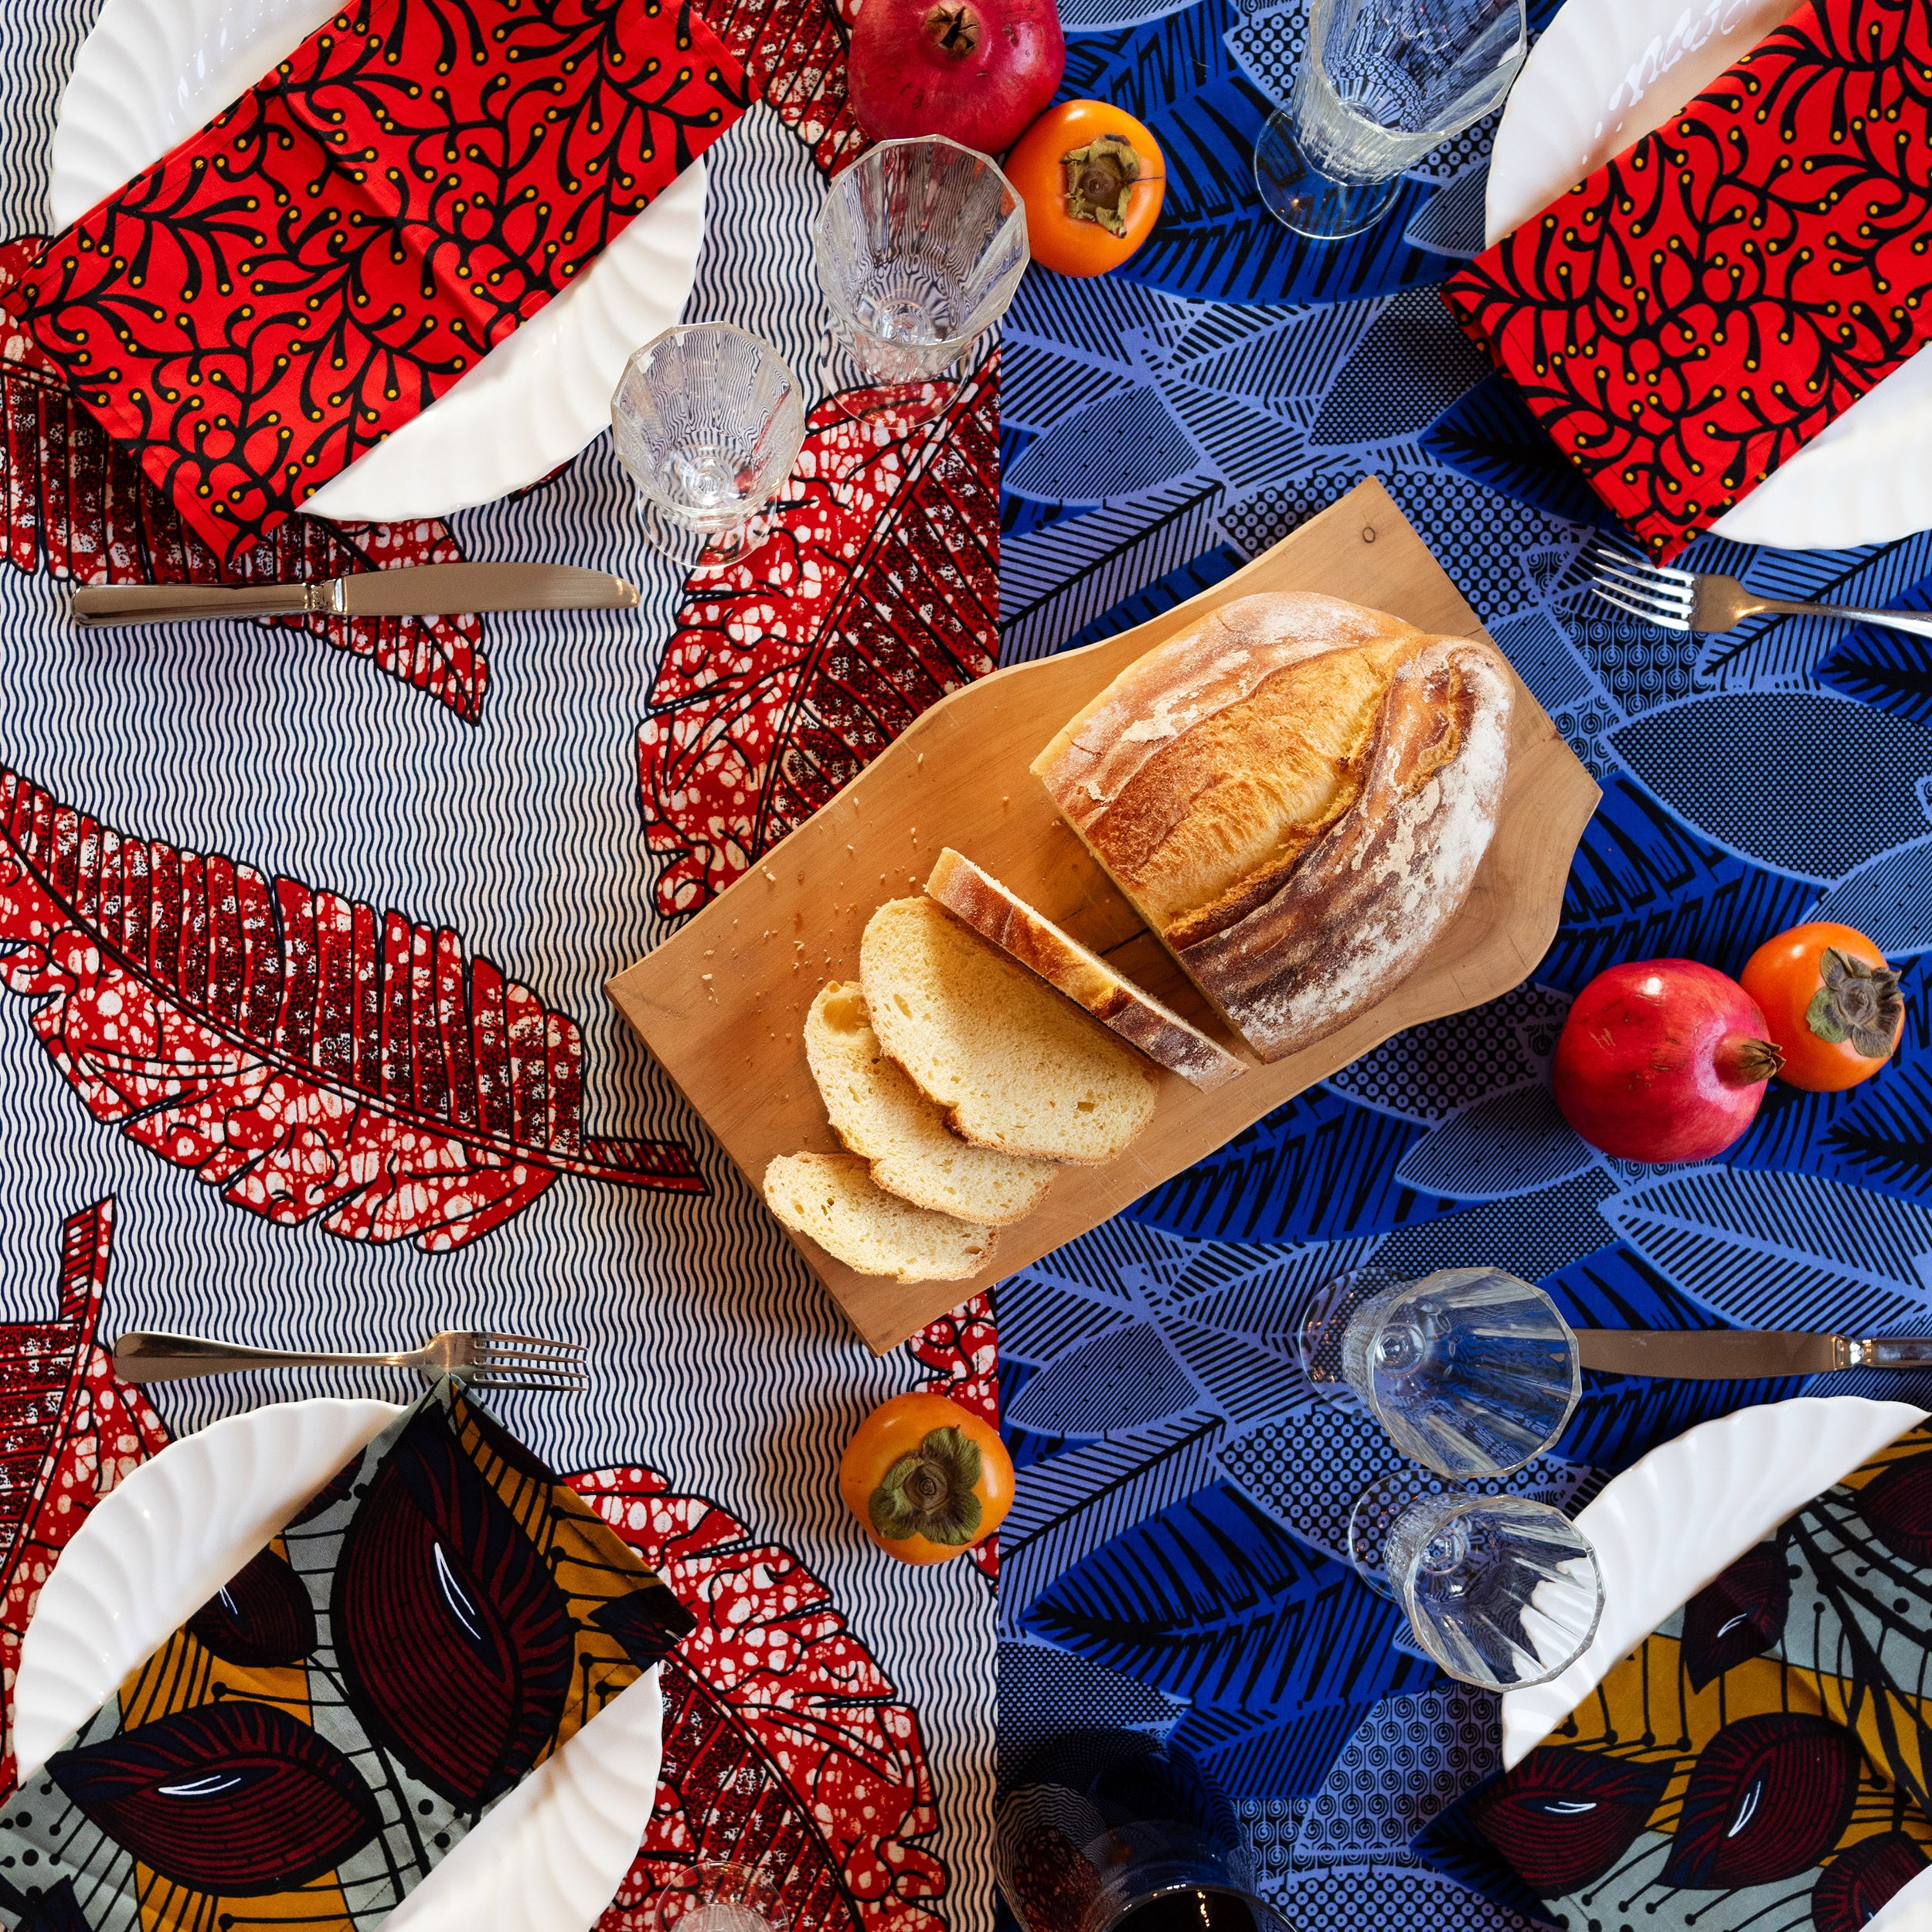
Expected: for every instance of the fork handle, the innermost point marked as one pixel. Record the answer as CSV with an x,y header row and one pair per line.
x,y
141,1356
1906,621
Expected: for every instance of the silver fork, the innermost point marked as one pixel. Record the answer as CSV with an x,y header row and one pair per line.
x,y
1707,601
480,1356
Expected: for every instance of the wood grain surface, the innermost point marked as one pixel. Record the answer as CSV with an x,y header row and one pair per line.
x,y
721,1003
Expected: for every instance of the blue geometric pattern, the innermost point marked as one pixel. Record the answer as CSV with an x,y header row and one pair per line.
x,y
1183,1493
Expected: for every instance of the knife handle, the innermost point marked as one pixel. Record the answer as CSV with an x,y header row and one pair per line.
x,y
100,604
1893,1352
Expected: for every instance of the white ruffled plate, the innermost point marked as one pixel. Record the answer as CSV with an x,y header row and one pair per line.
x,y
150,71
1606,71
550,1855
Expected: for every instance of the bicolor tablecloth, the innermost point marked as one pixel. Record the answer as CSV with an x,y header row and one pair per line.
x,y
495,817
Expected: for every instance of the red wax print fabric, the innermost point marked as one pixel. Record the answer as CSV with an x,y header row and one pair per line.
x,y
1690,316
329,255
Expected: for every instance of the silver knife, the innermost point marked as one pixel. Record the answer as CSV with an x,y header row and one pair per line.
x,y
1728,1355
419,590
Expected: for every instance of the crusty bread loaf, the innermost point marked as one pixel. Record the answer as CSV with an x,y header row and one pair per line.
x,y
1016,1065
1295,793
877,1112
831,1198
1031,937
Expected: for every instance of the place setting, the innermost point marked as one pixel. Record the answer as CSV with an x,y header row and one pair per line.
x,y
1097,1101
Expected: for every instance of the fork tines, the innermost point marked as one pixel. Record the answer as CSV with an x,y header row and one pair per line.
x,y
527,1362
1664,597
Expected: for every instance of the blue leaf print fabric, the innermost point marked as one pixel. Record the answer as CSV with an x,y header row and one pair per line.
x,y
1174,1563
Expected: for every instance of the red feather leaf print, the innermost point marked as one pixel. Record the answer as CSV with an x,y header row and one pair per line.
x,y
792,669
960,1353
784,1741
69,1433
80,502
793,52
309,1056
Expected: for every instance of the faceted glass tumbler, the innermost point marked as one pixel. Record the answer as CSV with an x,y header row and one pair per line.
x,y
1501,1591
1472,1372
1382,83
918,248
708,420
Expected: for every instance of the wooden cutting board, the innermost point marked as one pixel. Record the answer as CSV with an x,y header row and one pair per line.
x,y
721,1004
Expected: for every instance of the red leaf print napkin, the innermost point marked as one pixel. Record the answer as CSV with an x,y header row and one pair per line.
x,y
345,242
1690,316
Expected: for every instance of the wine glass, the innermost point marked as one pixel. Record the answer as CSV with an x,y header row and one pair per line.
x,y
1382,82
1473,1373
718,1895
918,248
1502,1591
708,420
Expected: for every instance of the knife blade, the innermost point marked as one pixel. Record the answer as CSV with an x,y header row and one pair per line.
x,y
417,590
1731,1355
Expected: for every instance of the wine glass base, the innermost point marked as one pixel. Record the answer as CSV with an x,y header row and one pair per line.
x,y
1325,1323
1300,196
1374,1516
689,545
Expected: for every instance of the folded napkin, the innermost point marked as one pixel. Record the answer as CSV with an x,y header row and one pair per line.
x,y
436,1623
1690,316
345,242
1762,1761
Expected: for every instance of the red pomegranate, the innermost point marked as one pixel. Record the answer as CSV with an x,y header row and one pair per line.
x,y
976,71
1663,1059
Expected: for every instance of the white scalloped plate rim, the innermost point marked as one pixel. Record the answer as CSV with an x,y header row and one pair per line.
x,y
150,71
548,1858
1867,477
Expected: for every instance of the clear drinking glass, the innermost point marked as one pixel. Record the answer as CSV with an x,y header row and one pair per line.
x,y
1382,82
708,420
1501,1591
1471,1371
718,1895
918,248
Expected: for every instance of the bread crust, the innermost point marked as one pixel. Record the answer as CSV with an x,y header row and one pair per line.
x,y
1371,895
1202,774
1141,1020
1294,793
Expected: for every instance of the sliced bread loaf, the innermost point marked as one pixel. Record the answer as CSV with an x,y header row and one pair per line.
x,y
1016,1065
1031,938
831,1198
877,1111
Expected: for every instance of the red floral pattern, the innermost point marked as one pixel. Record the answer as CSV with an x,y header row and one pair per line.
x,y
784,1743
309,1056
69,1433
791,670
1689,317
344,243
80,502
794,55
961,1353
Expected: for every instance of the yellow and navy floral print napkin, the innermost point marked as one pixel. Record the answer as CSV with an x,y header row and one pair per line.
x,y
1762,1761
306,1747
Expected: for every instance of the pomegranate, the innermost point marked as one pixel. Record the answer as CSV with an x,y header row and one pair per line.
x,y
976,71
1663,1059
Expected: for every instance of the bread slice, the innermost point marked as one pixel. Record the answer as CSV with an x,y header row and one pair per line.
x,y
831,1198
1031,937
1016,1065
877,1113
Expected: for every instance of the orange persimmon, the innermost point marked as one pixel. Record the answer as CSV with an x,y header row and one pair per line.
x,y
926,1479
1092,178
1830,1002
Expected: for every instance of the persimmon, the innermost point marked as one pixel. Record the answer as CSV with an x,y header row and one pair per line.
x,y
1830,1003
1093,179
926,1479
